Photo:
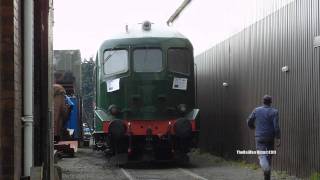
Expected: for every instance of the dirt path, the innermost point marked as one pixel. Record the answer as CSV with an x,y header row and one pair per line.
x,y
93,165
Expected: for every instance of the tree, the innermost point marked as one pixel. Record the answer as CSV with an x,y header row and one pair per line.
x,y
88,84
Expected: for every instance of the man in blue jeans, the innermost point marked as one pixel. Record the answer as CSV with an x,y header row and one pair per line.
x,y
265,121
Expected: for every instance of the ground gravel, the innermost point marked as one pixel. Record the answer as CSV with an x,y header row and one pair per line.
x,y
92,165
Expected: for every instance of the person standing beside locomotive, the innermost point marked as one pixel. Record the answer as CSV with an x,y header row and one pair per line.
x,y
265,121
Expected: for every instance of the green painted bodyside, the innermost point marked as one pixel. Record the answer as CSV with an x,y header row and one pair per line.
x,y
144,96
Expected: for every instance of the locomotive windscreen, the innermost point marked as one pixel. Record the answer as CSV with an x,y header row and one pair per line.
x,y
179,60
115,61
147,60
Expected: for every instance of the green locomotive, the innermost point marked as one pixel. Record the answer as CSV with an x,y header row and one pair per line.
x,y
145,95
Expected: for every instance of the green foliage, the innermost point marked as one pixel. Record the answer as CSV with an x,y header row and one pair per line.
x,y
315,176
245,164
207,157
87,87
281,175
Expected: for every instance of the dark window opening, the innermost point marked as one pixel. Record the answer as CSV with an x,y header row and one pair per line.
x,y
147,60
179,60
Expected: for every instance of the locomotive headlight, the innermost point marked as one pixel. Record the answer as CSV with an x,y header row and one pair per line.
x,y
113,109
146,25
182,108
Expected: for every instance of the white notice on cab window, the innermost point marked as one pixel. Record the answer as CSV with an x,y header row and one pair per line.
x,y
113,85
180,83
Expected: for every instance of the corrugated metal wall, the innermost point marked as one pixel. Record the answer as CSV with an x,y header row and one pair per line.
x,y
250,62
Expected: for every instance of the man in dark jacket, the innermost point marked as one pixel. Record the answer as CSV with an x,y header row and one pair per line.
x,y
265,121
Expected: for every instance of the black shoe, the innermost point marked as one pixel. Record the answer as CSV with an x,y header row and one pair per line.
x,y
267,175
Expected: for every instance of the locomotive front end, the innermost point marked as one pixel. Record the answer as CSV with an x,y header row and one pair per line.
x,y
145,95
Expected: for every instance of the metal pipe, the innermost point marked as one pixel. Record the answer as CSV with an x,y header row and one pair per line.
x,y
28,87
175,15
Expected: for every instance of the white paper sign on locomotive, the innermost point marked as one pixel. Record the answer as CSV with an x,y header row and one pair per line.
x,y
113,85
180,83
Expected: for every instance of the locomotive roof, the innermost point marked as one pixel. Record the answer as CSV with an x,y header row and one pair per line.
x,y
156,31
138,32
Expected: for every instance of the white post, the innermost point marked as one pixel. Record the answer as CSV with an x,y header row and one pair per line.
x,y
28,86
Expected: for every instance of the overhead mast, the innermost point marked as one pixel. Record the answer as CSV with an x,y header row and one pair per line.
x,y
176,14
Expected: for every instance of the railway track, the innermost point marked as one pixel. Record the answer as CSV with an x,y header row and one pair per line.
x,y
162,174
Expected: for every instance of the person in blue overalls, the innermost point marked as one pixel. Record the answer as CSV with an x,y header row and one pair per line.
x,y
265,121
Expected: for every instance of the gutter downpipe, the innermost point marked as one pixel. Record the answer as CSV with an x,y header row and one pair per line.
x,y
28,87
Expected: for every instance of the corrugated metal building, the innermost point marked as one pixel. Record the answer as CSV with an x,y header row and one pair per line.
x,y
251,63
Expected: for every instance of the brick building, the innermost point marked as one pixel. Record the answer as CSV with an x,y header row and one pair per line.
x,y
11,87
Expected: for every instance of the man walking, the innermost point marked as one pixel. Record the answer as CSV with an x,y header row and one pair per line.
x,y
265,121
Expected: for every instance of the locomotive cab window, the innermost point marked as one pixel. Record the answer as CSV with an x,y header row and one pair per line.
x,y
179,60
147,60
115,61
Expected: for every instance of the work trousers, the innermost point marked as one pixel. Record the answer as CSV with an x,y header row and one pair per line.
x,y
265,144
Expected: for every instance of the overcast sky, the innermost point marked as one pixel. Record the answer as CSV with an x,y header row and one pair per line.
x,y
84,24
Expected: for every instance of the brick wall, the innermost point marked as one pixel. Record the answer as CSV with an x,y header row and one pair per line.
x,y
10,89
